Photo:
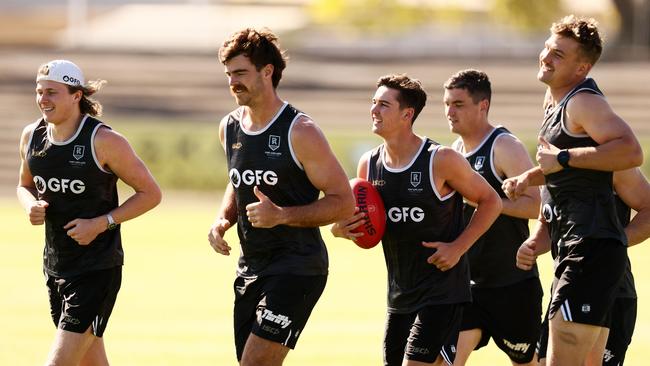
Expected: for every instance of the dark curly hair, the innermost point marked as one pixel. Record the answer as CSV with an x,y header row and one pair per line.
x,y
260,46
475,82
411,93
584,31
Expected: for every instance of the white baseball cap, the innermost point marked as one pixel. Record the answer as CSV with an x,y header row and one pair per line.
x,y
62,71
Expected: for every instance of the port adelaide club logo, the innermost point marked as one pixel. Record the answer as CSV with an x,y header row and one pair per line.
x,y
416,179
274,144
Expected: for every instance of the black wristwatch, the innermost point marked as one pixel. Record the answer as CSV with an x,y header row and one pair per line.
x,y
563,158
111,222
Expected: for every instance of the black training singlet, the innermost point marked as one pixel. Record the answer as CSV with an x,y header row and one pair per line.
x,y
68,176
627,288
583,197
266,159
415,213
492,258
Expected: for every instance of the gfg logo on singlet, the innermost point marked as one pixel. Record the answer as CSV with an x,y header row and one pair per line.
x,y
550,213
62,185
402,214
252,177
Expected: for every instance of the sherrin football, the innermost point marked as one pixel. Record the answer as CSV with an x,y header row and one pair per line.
x,y
369,201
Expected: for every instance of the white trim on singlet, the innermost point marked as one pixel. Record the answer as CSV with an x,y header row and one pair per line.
x,y
225,132
268,125
434,150
457,145
407,166
92,148
563,124
63,143
293,154
480,145
494,170
31,137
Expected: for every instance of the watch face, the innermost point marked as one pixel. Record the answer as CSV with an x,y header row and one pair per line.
x,y
563,158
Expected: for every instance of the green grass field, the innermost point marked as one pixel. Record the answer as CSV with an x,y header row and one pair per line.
x,y
175,306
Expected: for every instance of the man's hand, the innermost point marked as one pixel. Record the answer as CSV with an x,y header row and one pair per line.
x,y
343,228
547,157
265,213
216,234
84,231
446,255
526,256
514,187
36,212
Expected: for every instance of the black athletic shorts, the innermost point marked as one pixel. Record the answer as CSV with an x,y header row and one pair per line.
x,y
511,315
620,331
423,335
542,343
275,308
86,300
622,321
587,279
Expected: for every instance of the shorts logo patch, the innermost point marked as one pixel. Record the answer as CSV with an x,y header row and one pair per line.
x,y
71,320
517,347
280,319
608,356
270,329
586,308
418,350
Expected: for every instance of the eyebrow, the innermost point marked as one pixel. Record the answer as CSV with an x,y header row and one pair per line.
x,y
236,70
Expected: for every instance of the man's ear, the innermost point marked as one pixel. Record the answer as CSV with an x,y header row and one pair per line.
x,y
584,68
484,105
268,70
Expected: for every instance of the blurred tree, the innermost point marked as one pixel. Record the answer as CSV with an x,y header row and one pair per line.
x,y
528,15
370,16
634,22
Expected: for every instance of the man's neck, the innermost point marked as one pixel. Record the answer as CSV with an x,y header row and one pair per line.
x,y
260,114
66,129
473,139
558,93
400,150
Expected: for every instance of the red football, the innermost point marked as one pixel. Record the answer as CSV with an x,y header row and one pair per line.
x,y
369,201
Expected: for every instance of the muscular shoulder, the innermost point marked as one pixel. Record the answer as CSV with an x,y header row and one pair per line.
x,y
447,158
585,105
25,135
510,156
507,143
108,140
27,132
305,128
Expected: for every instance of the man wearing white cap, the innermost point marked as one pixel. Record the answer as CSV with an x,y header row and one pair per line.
x,y
70,164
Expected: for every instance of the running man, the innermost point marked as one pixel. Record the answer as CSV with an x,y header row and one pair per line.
x,y
279,161
422,185
582,141
70,164
506,301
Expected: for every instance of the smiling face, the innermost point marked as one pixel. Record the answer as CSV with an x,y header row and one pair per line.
x,y
462,113
385,111
56,103
560,62
246,83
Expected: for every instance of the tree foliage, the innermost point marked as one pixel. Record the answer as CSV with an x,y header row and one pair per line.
x,y
529,15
